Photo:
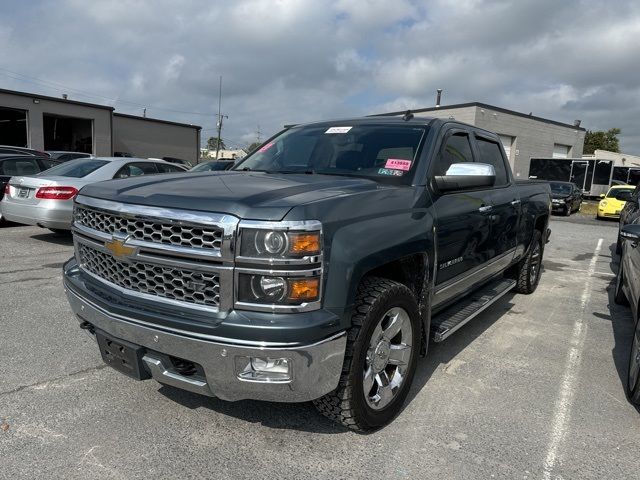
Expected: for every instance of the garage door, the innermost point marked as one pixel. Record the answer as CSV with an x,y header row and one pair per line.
x,y
560,151
507,141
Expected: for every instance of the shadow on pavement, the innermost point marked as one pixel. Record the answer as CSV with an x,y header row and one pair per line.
x,y
304,417
56,238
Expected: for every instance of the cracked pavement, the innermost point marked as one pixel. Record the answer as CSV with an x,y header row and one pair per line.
x,y
531,388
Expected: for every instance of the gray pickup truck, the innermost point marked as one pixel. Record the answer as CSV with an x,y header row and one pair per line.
x,y
317,269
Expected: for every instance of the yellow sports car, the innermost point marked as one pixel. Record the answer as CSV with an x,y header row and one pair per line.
x,y
611,205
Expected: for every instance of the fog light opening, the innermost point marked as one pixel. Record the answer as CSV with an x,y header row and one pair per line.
x,y
263,369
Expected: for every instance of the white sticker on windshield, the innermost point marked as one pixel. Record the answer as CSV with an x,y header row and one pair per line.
x,y
338,130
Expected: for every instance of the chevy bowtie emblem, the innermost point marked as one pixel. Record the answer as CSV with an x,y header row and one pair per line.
x,y
118,249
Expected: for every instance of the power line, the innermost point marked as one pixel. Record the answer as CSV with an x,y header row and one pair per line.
x,y
60,87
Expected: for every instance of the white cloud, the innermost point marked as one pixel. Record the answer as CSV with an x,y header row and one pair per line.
x,y
288,61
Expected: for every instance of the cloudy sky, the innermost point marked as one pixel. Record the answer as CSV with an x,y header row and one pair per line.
x,y
289,61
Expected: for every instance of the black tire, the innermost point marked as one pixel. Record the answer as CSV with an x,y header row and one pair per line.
x,y
619,297
527,274
567,211
633,376
347,404
619,245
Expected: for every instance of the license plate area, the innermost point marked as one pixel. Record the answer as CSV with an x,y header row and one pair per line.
x,y
123,356
23,192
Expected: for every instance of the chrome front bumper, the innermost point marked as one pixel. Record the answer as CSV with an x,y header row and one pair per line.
x,y
315,368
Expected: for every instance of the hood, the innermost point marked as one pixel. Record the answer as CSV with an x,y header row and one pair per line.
x,y
248,195
559,195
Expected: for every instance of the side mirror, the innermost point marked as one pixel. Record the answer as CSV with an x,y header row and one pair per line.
x,y
630,232
602,195
464,176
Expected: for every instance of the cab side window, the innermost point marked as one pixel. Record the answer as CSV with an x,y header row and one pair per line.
x,y
491,154
457,149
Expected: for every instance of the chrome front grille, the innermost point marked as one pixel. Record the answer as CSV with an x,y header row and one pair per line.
x,y
150,230
179,284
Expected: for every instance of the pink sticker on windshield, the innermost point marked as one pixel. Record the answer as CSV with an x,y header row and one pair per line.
x,y
398,164
266,147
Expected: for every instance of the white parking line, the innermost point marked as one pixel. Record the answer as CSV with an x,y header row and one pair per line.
x,y
565,399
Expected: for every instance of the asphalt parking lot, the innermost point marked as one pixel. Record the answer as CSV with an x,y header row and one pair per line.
x,y
532,388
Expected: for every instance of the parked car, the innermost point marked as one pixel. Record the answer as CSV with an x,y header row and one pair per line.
x,y
11,165
66,156
315,269
566,197
630,212
46,199
178,161
213,166
612,203
628,292
11,150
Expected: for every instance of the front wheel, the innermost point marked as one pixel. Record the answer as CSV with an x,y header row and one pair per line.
x,y
619,297
380,358
567,211
529,269
633,377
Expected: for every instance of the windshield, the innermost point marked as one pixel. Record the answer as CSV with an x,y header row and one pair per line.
x,y
375,151
75,168
560,188
211,166
617,191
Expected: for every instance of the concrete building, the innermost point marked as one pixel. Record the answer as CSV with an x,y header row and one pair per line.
x,y
523,136
51,123
618,159
226,154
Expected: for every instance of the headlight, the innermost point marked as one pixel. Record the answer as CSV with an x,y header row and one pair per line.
x,y
279,244
279,266
278,290
556,200
603,203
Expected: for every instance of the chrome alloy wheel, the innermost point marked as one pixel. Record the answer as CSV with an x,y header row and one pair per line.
x,y
387,358
534,268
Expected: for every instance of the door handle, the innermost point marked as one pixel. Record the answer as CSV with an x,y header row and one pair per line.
x,y
515,202
485,208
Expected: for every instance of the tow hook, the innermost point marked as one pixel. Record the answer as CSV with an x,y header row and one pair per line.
x,y
87,326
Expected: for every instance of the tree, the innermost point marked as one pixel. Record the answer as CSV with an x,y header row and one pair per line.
x,y
253,146
601,140
213,141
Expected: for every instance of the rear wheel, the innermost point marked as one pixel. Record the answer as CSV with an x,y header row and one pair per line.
x,y
528,271
633,377
380,358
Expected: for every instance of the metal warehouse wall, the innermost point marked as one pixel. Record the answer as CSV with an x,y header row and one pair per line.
x,y
533,138
101,118
144,137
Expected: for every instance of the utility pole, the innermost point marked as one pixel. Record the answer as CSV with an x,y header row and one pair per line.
x,y
258,132
220,117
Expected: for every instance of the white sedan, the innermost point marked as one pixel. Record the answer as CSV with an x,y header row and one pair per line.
x,y
46,199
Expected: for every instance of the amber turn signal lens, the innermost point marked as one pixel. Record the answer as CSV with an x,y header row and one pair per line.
x,y
304,289
304,243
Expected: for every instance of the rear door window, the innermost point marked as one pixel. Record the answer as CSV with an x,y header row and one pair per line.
x,y
166,168
136,169
491,154
22,166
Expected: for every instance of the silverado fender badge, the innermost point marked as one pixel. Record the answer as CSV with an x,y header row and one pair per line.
x,y
450,262
118,249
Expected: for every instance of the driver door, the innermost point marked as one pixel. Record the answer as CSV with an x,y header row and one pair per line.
x,y
463,224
